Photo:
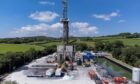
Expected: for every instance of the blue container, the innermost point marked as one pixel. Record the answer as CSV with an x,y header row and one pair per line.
x,y
88,56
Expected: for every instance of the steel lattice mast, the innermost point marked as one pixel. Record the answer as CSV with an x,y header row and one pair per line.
x,y
65,22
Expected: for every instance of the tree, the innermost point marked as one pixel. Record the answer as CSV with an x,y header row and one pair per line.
x,y
130,56
50,49
126,34
116,53
99,45
108,46
30,55
90,48
117,44
81,46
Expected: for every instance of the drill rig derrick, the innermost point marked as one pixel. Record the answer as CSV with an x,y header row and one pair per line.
x,y
65,22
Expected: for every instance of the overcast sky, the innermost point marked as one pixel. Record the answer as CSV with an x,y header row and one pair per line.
x,y
20,18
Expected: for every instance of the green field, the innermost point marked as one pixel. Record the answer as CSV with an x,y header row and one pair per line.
x,y
129,42
17,48
89,43
40,45
126,41
50,44
92,44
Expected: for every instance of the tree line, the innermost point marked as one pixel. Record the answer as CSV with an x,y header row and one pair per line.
x,y
49,39
27,39
126,35
127,54
13,60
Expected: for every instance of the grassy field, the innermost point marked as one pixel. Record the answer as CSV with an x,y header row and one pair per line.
x,y
129,42
17,48
40,45
49,44
59,43
132,42
126,41
89,43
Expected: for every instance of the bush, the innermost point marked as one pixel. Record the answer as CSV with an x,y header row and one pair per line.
x,y
10,61
116,53
131,55
81,46
99,46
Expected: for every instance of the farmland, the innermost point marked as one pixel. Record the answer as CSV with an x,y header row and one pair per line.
x,y
49,44
126,41
40,45
17,48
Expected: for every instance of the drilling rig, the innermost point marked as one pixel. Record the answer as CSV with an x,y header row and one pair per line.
x,y
65,51
65,22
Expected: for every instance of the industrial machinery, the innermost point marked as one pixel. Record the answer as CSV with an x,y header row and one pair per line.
x,y
65,22
65,51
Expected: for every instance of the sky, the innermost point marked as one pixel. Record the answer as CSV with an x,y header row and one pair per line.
x,y
23,18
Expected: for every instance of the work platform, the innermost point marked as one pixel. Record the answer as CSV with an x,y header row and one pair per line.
x,y
81,77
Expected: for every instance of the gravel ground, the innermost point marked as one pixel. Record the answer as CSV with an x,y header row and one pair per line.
x,y
77,77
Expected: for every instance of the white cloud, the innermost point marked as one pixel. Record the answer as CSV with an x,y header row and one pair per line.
x,y
83,29
55,30
114,14
79,24
39,29
44,16
47,3
121,21
106,17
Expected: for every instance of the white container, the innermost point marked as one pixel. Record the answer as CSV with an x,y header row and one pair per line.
x,y
58,72
49,72
136,75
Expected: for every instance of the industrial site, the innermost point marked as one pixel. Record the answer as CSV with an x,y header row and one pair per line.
x,y
67,65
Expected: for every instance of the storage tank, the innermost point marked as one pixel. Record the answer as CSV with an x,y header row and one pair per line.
x,y
136,75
